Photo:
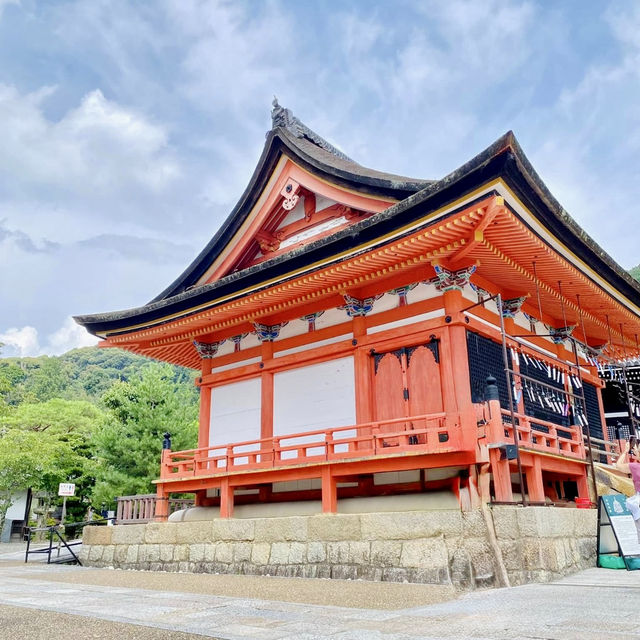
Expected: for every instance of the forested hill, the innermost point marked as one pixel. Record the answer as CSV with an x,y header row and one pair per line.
x,y
94,417
81,374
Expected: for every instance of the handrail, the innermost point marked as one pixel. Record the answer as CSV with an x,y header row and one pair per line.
x,y
55,530
139,509
365,439
574,446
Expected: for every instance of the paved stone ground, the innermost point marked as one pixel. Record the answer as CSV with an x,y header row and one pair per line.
x,y
594,604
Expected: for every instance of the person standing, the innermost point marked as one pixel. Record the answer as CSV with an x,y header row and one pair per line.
x,y
629,462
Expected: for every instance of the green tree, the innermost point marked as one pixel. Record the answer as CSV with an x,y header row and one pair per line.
x,y
66,426
26,458
129,443
635,272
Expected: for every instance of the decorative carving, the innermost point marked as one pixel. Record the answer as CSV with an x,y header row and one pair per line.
x,y
432,345
284,118
290,194
309,205
207,350
355,307
558,336
402,292
377,357
237,340
311,320
591,354
480,292
447,280
268,332
267,242
511,307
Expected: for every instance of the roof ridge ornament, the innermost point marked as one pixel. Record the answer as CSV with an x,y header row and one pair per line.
x,y
281,117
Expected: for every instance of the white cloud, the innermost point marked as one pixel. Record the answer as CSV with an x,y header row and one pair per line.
x,y
69,336
25,342
238,53
20,342
589,140
95,148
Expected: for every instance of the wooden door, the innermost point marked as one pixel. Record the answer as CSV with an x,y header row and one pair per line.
x,y
407,383
423,379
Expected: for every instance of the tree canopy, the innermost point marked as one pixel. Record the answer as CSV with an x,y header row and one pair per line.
x,y
94,417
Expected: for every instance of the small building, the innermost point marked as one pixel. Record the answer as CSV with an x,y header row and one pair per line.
x,y
17,516
360,334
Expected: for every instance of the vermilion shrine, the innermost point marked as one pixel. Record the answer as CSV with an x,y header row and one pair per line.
x,y
364,334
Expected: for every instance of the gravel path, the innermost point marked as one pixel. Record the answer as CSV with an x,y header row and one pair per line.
x,y
36,600
20,623
339,593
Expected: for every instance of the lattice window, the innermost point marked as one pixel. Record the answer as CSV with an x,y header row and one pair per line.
x,y
593,410
533,406
485,359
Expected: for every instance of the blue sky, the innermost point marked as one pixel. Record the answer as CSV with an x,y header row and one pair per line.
x,y
128,130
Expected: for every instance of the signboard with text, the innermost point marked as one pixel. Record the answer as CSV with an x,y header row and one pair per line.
x,y
617,531
66,489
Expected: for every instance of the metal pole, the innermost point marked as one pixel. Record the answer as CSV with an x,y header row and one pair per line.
x,y
584,406
509,376
50,545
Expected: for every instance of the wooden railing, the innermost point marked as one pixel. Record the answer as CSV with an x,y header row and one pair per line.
x,y
605,451
142,508
563,440
430,433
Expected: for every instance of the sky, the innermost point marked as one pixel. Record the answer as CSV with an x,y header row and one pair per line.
x,y
129,129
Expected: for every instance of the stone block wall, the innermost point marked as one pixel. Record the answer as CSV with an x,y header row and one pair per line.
x,y
444,547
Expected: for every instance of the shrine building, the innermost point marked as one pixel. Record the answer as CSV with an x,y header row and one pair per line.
x,y
362,336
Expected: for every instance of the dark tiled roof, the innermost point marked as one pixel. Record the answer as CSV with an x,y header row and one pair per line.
x,y
503,159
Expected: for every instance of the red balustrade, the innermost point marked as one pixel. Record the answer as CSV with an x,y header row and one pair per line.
x,y
551,441
432,433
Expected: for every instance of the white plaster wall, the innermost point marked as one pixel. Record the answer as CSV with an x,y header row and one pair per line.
x,y
331,317
423,317
236,365
235,412
387,302
313,345
16,510
319,396
423,292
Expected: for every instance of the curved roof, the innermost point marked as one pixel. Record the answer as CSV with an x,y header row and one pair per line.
x,y
504,159
290,137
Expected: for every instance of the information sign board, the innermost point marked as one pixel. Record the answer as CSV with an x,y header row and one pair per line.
x,y
617,531
66,489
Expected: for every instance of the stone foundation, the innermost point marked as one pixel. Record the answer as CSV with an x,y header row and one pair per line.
x,y
532,544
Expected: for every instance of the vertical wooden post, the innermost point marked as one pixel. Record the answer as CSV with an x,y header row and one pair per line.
x,y
205,408
495,434
266,409
162,504
534,481
457,398
364,390
329,491
583,486
226,499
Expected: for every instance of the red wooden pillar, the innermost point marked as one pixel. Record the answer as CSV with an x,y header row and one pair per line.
x,y
205,408
535,484
329,491
583,485
162,504
266,401
499,468
457,395
226,499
